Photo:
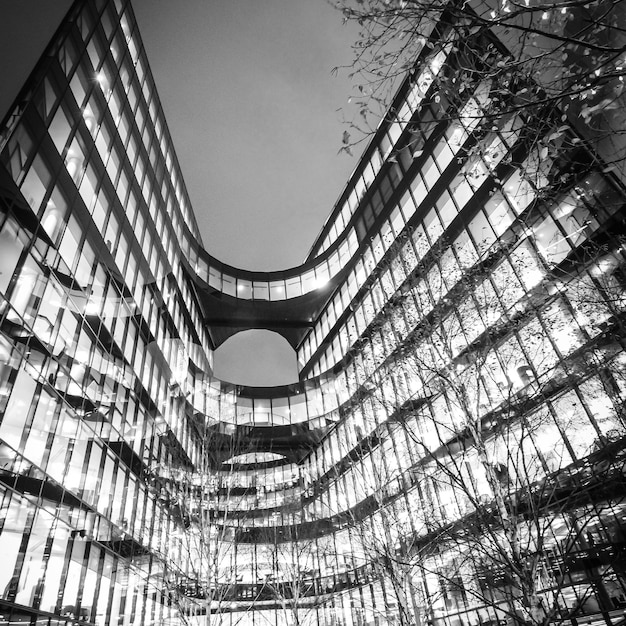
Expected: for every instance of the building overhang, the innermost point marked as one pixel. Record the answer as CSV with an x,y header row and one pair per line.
x,y
225,315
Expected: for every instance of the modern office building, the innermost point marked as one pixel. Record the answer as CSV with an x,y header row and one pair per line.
x,y
454,451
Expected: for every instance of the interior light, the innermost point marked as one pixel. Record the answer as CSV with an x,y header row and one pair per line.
x,y
532,277
602,267
581,319
565,209
91,308
82,357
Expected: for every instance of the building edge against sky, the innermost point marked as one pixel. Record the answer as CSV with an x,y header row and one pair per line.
x,y
453,451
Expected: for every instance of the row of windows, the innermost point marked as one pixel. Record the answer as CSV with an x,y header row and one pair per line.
x,y
315,278
64,572
76,416
361,183
516,364
447,272
100,353
529,357
279,289
449,584
104,386
299,285
569,223
428,176
125,333
69,240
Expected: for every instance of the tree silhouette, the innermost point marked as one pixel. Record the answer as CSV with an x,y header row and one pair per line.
x,y
513,489
562,62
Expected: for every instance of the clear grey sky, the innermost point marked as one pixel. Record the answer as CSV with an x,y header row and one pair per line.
x,y
252,108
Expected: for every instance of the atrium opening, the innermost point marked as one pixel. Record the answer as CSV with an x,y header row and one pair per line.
x,y
258,358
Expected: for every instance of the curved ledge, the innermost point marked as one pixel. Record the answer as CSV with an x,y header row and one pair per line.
x,y
226,315
291,442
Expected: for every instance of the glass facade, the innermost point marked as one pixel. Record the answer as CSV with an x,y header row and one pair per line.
x,y
454,451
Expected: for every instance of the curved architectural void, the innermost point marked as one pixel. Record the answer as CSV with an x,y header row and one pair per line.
x,y
451,449
254,458
259,358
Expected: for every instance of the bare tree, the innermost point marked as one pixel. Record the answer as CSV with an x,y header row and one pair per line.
x,y
208,501
556,62
291,578
382,543
515,483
